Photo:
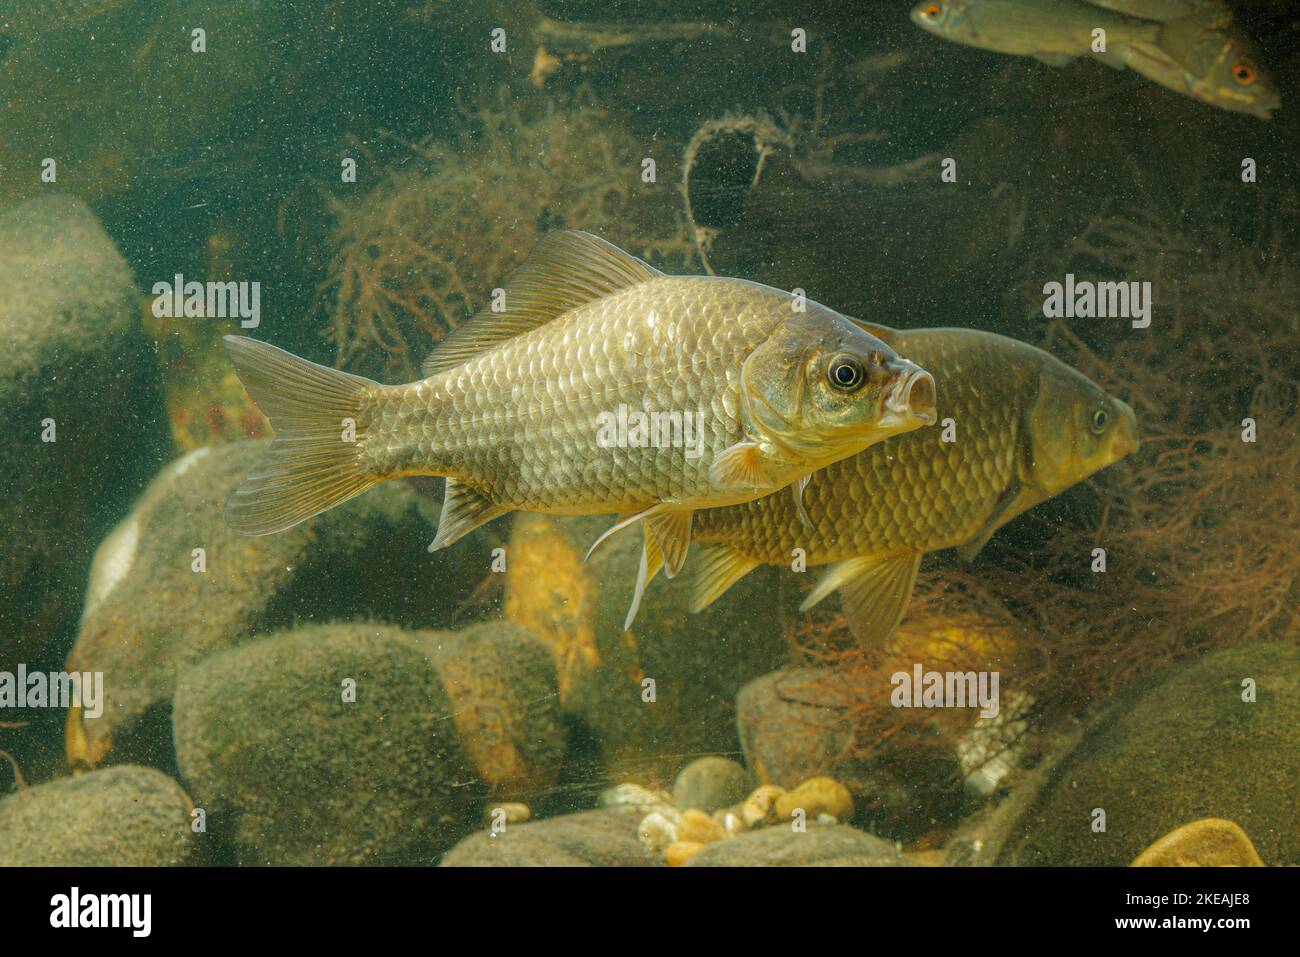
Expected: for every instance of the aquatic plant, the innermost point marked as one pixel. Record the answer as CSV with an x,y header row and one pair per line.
x,y
421,251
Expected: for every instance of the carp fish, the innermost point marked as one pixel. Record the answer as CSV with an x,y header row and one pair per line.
x,y
753,388
1027,427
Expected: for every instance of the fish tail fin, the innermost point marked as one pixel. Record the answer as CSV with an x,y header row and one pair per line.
x,y
317,459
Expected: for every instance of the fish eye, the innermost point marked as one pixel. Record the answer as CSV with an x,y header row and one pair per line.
x,y
1244,73
845,373
932,11
1099,420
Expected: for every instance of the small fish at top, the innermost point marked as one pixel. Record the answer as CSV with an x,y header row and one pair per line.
x,y
1201,54
1027,427
1189,46
1053,31
753,388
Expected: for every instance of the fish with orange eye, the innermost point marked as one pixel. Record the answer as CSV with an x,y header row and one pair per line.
x,y
1201,54
1189,46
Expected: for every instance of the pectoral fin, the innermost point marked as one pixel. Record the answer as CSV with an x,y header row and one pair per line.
x,y
463,510
968,550
743,465
717,568
874,591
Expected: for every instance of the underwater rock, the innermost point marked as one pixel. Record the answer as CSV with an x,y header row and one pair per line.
x,y
679,853
696,663
119,98
816,797
634,798
711,784
820,846
291,773
699,828
500,681
794,725
124,816
658,830
149,614
760,807
587,839
1207,843
79,387
1174,751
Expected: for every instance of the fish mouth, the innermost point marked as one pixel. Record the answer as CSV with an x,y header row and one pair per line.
x,y
909,399
1126,440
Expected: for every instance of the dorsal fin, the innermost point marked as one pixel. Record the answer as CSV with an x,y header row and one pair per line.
x,y
565,269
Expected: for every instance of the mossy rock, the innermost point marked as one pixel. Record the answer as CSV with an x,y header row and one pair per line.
x,y
586,839
698,662
500,681
292,774
712,783
1184,747
124,816
74,355
781,846
149,614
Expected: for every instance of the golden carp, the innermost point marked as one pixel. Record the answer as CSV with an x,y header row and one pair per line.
x,y
1027,427
1054,31
1200,54
602,386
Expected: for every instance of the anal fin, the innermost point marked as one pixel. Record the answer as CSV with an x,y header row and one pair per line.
x,y
717,568
463,510
874,591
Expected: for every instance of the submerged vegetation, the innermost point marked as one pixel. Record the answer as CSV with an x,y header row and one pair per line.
x,y
420,252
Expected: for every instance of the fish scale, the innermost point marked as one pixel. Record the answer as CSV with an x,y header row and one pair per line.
x,y
499,419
